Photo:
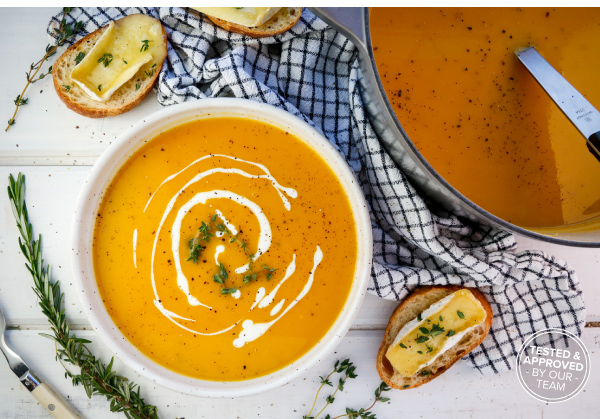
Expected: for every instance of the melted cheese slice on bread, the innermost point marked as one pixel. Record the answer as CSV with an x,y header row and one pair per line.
x,y
421,341
245,16
124,48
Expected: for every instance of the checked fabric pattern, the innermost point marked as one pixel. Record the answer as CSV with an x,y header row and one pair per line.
x,y
312,72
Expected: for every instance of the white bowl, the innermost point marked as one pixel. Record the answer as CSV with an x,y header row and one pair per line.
x,y
83,228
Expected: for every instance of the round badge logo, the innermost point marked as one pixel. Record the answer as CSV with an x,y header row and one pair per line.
x,y
553,365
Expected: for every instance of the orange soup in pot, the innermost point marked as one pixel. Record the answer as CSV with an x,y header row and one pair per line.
x,y
225,249
480,119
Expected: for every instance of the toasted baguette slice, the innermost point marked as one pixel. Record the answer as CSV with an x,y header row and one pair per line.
x,y
417,302
123,99
279,23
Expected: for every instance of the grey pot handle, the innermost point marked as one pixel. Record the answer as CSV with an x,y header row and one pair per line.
x,y
347,20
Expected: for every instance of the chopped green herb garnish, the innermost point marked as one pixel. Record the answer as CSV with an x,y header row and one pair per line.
x,y
223,229
145,45
405,386
460,314
125,62
270,271
79,57
151,72
221,277
436,330
421,339
249,277
137,86
195,249
425,372
204,230
420,352
403,345
67,88
429,349
204,234
424,330
222,271
450,333
100,87
419,317
441,318
226,291
106,59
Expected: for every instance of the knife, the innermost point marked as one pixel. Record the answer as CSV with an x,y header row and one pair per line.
x,y
580,112
54,403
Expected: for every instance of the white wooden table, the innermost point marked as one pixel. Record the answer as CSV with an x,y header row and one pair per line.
x,y
55,148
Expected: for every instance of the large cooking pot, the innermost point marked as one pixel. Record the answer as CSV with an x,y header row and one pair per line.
x,y
353,22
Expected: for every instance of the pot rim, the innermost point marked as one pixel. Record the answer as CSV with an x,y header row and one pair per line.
x,y
466,201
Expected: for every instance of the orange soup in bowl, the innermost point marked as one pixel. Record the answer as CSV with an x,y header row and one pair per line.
x,y
480,119
225,248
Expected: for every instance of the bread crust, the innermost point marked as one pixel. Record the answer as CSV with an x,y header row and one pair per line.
x,y
293,15
89,110
425,297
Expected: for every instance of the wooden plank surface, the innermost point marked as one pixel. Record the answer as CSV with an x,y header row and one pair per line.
x,y
51,195
461,392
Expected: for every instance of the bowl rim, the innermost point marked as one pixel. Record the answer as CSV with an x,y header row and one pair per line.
x,y
108,165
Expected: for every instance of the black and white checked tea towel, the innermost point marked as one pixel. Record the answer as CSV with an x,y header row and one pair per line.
x,y
311,71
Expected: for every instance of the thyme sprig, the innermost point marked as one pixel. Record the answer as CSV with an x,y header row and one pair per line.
x,y
365,413
348,369
96,377
64,32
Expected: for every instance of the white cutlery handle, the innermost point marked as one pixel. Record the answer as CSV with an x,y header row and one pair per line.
x,y
54,403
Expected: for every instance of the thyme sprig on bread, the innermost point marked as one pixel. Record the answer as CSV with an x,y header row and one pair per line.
x,y
96,377
64,32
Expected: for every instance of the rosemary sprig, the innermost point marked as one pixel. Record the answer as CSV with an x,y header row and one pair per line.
x,y
96,377
347,367
64,32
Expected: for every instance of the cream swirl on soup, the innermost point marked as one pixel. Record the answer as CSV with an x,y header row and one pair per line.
x,y
225,249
